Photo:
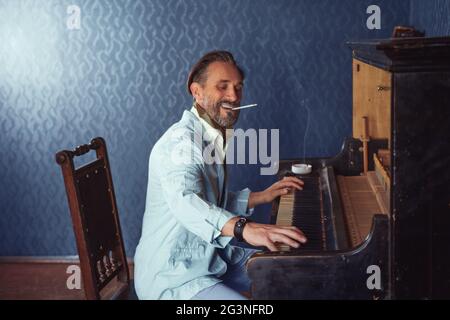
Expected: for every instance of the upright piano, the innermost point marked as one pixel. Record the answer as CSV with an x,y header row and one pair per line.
x,y
377,215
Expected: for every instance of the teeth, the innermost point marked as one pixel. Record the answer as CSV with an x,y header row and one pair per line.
x,y
227,105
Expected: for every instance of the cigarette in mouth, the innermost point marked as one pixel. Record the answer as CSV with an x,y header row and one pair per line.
x,y
227,106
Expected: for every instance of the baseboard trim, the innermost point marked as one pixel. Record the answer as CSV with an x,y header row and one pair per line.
x,y
47,259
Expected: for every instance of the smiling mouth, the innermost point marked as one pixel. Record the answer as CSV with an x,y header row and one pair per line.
x,y
227,106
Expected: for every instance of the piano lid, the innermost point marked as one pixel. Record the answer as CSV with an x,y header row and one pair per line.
x,y
404,54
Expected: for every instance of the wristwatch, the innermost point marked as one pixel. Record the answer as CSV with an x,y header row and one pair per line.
x,y
239,228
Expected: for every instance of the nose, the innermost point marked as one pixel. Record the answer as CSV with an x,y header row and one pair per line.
x,y
232,95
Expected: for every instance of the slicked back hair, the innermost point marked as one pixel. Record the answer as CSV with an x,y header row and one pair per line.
x,y
198,71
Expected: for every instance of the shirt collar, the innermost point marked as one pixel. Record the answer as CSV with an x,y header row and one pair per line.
x,y
211,133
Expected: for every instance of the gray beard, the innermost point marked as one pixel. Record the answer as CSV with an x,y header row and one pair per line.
x,y
226,122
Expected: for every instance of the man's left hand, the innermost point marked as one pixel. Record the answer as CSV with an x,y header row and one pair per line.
x,y
279,188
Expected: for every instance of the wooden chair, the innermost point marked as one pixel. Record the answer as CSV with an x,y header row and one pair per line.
x,y
96,223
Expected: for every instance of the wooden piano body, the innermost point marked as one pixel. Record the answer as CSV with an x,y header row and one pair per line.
x,y
378,213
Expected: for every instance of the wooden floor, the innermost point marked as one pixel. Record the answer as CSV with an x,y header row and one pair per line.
x,y
38,278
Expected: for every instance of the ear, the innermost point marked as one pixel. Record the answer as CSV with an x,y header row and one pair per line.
x,y
197,91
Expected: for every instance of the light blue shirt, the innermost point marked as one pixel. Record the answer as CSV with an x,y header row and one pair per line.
x,y
181,250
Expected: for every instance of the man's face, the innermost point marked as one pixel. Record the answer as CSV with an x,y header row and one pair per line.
x,y
223,85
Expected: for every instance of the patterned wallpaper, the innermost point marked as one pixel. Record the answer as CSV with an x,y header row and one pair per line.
x,y
433,16
122,76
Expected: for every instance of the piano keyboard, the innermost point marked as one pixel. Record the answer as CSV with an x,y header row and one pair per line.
x,y
303,209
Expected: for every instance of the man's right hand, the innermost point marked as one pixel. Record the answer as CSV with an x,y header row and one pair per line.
x,y
269,235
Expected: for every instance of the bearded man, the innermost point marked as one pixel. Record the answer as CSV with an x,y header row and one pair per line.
x,y
190,217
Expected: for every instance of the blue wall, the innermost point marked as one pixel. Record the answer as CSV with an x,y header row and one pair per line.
x,y
433,16
122,76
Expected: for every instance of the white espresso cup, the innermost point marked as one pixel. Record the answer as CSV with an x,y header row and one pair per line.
x,y
301,168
